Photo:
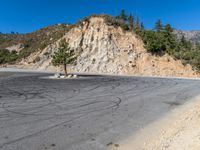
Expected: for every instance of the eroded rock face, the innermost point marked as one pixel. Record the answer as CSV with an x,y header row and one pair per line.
x,y
105,49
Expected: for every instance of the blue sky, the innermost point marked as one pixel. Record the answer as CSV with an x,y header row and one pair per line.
x,y
29,15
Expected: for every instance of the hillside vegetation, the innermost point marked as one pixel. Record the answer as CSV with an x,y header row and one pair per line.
x,y
31,42
161,39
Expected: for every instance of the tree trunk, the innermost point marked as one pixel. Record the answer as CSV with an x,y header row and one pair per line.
x,y
65,69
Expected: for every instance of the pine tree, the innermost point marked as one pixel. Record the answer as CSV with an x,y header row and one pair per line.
x,y
65,55
158,25
170,39
123,16
131,22
183,41
137,26
142,27
168,28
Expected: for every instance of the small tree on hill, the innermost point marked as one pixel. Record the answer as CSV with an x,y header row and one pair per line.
x,y
142,26
122,16
158,25
131,22
65,55
137,26
169,39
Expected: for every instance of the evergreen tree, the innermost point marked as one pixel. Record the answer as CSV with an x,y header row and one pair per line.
x,y
158,25
137,26
183,40
65,55
142,27
154,42
170,39
131,22
184,43
123,15
168,29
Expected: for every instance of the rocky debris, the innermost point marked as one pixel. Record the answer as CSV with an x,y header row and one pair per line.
x,y
75,76
60,76
57,75
72,76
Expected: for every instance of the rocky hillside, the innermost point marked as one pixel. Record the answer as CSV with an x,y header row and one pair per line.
x,y
103,48
28,43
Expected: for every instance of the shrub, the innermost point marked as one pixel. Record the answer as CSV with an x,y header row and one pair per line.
x,y
113,21
7,57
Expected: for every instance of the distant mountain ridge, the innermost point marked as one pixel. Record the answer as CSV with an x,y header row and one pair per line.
x,y
192,36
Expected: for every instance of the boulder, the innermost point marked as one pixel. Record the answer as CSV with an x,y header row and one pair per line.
x,y
57,75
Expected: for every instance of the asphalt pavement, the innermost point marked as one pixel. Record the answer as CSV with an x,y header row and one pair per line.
x,y
88,113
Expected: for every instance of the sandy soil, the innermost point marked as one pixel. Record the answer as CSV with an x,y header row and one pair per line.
x,y
180,130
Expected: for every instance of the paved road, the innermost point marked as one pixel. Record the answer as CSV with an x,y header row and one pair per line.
x,y
89,113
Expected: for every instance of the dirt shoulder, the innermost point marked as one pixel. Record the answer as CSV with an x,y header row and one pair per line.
x,y
180,130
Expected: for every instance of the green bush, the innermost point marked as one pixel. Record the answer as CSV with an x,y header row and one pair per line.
x,y
7,57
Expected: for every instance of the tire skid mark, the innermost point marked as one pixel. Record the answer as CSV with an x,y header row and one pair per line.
x,y
82,114
62,104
